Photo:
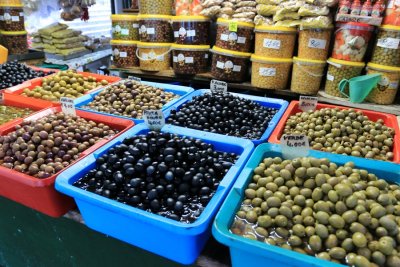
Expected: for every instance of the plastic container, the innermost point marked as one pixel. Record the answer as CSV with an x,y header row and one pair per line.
x,y
125,27
275,41
270,73
230,66
124,53
155,28
154,56
279,104
188,7
235,35
307,75
388,119
15,42
385,92
160,7
339,70
3,54
12,18
189,59
246,252
314,43
40,194
387,47
351,41
191,30
182,91
143,229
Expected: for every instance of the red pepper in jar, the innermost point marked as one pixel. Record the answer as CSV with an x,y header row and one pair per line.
x,y
366,8
356,8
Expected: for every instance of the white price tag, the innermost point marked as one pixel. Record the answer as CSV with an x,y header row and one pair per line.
x,y
175,59
176,34
218,86
237,68
114,73
220,65
135,25
134,78
224,37
21,14
191,33
154,119
125,32
308,103
123,54
267,72
394,85
15,18
189,60
67,106
330,77
317,43
151,31
206,55
294,146
160,58
241,40
272,44
391,43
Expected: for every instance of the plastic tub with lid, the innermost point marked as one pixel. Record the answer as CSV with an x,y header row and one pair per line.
x,y
275,41
351,41
15,42
159,7
155,28
124,53
12,17
270,73
230,66
235,35
192,30
189,59
125,27
307,75
387,47
339,70
314,43
386,90
154,56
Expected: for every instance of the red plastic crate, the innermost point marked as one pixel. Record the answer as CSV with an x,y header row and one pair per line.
x,y
389,120
39,194
17,90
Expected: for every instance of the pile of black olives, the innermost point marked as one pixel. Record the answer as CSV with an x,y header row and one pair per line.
x,y
161,173
14,73
314,207
346,132
224,114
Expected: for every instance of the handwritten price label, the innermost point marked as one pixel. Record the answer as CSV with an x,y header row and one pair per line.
x,y
67,106
154,119
272,44
294,146
391,43
218,86
317,43
134,78
267,72
308,103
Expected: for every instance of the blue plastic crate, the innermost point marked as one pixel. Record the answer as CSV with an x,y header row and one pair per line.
x,y
171,239
246,252
182,91
279,104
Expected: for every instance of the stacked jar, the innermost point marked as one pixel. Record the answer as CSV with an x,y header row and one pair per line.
x,y
232,50
12,28
190,52
272,59
125,34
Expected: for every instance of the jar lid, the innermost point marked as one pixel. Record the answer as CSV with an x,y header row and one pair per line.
x,y
11,5
190,47
230,52
308,60
266,28
271,59
153,45
13,33
239,23
346,63
390,27
190,18
165,17
124,17
383,67
123,42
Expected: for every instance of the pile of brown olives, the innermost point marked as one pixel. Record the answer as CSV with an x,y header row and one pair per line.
x,y
346,132
9,113
315,207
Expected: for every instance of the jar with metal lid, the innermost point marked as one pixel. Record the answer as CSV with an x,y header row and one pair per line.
x,y
387,47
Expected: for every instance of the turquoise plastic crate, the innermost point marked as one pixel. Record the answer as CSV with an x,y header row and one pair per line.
x,y
182,91
279,104
171,239
246,252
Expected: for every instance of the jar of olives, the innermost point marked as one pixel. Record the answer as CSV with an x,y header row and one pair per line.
x,y
124,53
154,56
387,48
161,7
12,17
307,75
386,90
190,59
125,27
15,42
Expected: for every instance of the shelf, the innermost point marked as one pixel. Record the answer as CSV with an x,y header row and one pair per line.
x,y
129,10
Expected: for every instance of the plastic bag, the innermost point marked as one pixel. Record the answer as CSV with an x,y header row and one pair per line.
x,y
211,3
69,45
195,7
80,38
182,7
66,33
328,3
261,20
291,6
245,9
287,16
288,23
245,15
269,2
228,4
243,20
246,4
319,22
267,10
211,11
224,16
52,28
310,10
227,11
66,52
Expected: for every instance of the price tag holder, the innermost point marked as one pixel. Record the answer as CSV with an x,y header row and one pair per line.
x,y
218,87
233,26
134,78
308,103
295,146
154,119
67,106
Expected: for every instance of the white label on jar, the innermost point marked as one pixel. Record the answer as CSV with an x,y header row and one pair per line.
x,y
125,32
233,36
7,16
220,65
224,37
21,14
154,119
116,52
294,146
67,106
160,58
142,29
151,31
117,28
391,43
267,72
135,25
181,58
241,40
317,43
206,55
189,60
272,43
394,85
175,59
330,77
176,34
15,18
145,56
191,33
237,68
308,103
123,54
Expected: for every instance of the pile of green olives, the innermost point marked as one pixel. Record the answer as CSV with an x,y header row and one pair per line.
x,y
346,132
315,207
9,113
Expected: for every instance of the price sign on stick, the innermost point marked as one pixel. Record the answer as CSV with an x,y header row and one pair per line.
x,y
67,106
308,103
154,119
294,146
134,78
218,86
